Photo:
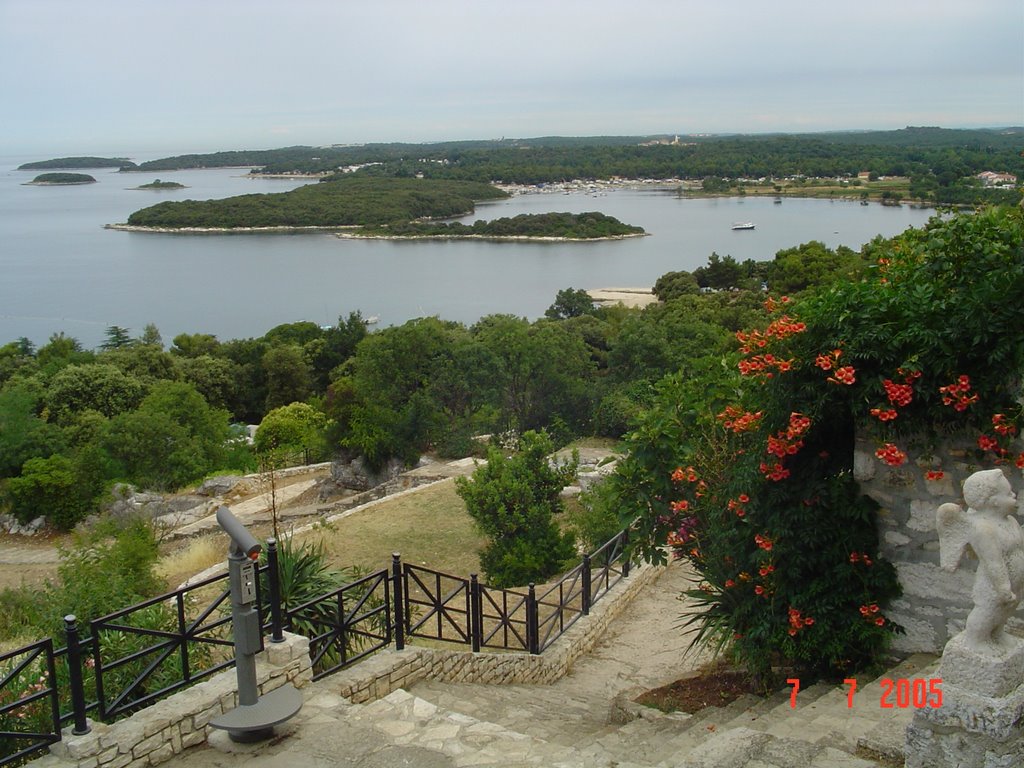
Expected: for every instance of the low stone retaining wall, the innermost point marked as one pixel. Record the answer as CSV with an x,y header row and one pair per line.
x,y
390,670
159,732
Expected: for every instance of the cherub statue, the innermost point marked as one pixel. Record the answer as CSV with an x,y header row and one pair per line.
x,y
990,528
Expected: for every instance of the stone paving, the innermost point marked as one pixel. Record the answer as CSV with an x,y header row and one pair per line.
x,y
584,720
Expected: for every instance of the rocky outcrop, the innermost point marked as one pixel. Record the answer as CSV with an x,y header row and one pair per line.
x,y
355,475
10,524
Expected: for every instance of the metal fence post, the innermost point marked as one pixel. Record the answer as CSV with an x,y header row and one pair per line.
x,y
476,621
75,676
399,598
532,621
625,552
274,579
585,584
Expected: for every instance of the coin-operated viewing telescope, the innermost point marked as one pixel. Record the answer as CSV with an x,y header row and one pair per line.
x,y
255,716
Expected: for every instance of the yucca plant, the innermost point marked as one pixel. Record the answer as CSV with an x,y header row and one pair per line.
x,y
306,576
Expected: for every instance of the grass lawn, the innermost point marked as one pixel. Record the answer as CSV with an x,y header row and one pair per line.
x,y
429,527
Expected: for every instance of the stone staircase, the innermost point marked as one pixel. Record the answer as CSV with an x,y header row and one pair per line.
x,y
585,719
570,729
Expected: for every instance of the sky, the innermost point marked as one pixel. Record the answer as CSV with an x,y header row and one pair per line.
x,y
158,77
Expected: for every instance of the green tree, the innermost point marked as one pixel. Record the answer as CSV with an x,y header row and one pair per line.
x,y
151,336
812,264
98,387
720,273
514,502
194,344
289,376
57,488
173,438
215,378
117,337
61,351
146,362
293,427
383,405
570,302
544,372
671,285
23,435
339,344
16,358
104,568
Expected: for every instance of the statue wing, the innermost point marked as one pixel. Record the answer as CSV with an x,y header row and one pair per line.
x,y
954,534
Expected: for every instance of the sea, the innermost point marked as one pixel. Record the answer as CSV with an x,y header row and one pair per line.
x,y
61,270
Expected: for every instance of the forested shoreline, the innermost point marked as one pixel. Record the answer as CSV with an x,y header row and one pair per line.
x,y
940,165
345,202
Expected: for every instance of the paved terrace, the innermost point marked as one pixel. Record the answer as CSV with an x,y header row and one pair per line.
x,y
583,720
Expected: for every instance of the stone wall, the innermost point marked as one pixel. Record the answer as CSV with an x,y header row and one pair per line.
x,y
935,602
159,732
163,730
390,670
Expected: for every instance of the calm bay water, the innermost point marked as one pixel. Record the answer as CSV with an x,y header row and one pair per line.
x,y
61,271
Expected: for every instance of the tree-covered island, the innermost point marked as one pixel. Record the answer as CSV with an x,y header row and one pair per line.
x,y
66,163
350,201
591,225
375,206
157,184
46,179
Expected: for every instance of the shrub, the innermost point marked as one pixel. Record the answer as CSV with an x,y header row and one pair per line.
x,y
61,488
513,501
761,498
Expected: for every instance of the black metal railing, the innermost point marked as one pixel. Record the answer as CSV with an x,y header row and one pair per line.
x,y
157,647
345,625
138,655
559,607
437,605
29,701
605,567
501,619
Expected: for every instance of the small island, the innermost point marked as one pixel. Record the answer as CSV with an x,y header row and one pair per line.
x,y
370,206
348,201
592,225
61,179
157,184
66,163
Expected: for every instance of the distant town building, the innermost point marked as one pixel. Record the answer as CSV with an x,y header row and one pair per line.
x,y
993,179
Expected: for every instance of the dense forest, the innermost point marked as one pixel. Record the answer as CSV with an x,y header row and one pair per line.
x,y
157,184
570,226
345,201
63,178
939,162
79,162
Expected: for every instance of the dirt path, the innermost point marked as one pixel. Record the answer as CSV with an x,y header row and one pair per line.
x,y
28,561
31,560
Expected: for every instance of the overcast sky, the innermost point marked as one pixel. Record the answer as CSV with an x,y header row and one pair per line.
x,y
171,76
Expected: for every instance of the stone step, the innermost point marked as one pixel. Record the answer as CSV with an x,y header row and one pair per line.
x,y
655,738
545,712
746,748
822,730
829,718
411,722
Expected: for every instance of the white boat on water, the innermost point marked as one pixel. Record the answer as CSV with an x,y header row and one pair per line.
x,y
743,225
